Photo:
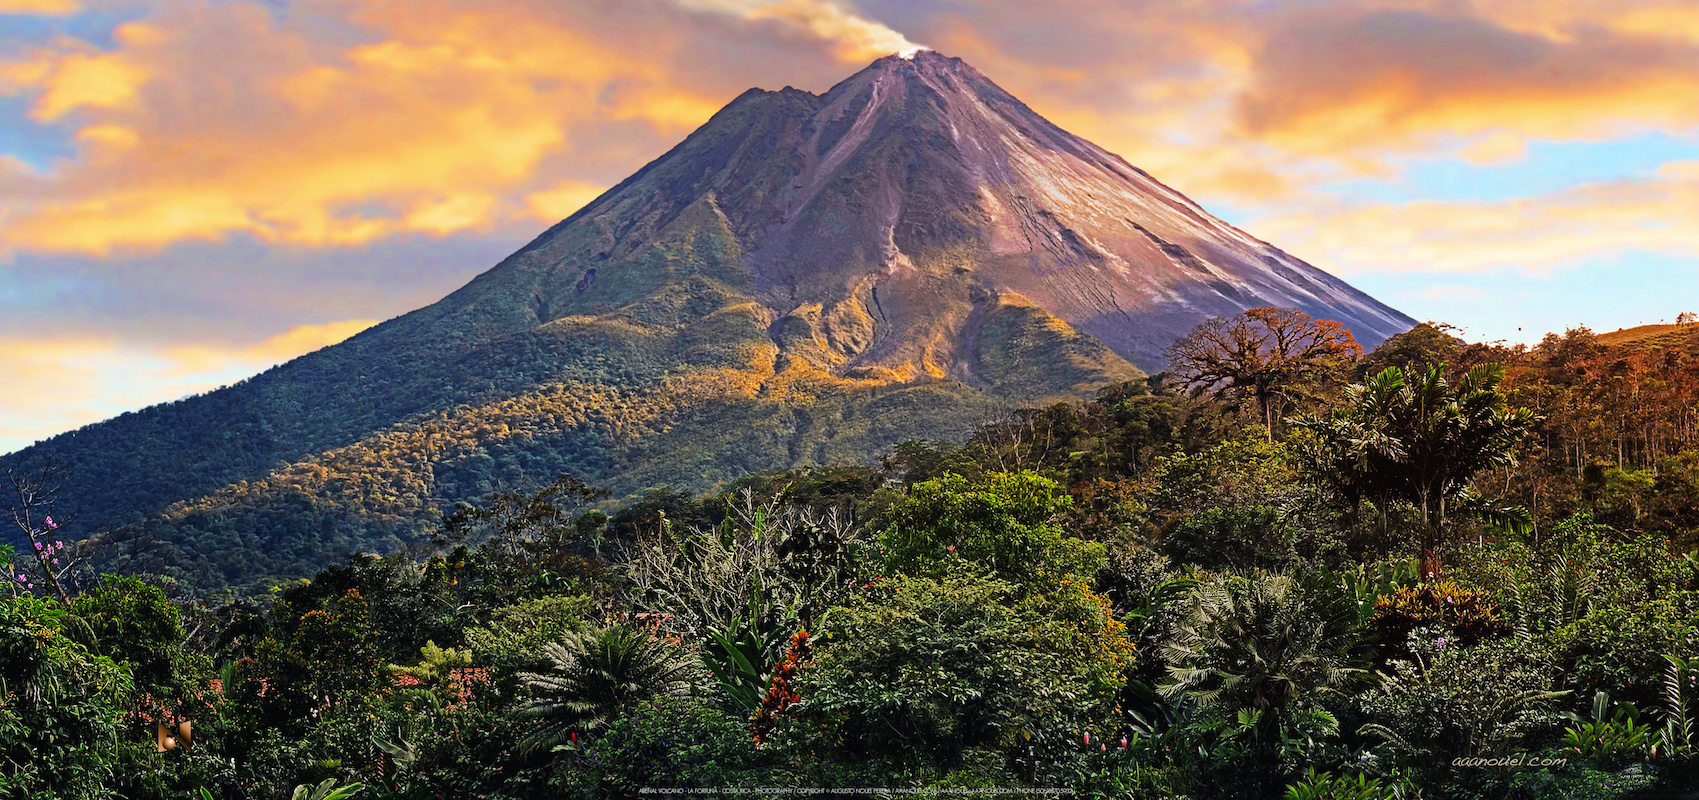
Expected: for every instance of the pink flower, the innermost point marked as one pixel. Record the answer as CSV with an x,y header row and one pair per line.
x,y
1088,737
51,525
951,548
1123,743
1103,748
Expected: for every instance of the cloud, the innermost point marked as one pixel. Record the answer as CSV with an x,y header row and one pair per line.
x,y
562,200
239,168
336,122
204,121
50,7
855,38
56,384
199,358
1534,234
1400,77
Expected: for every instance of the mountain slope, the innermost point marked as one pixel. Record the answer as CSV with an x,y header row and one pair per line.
x,y
804,279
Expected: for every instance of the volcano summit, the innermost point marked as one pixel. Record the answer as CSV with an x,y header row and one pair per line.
x,y
805,279
920,192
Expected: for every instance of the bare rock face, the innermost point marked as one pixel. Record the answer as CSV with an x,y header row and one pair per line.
x,y
892,213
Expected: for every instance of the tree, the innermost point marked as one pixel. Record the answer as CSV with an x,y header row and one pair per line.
x,y
599,675
59,706
30,501
1258,642
1427,343
1263,648
329,662
135,625
1406,435
1005,522
927,668
1274,356
533,541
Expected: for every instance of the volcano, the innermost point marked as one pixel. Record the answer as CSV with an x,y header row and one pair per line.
x,y
805,279
917,195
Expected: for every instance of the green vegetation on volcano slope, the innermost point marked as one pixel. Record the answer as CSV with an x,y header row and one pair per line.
x,y
1136,596
480,345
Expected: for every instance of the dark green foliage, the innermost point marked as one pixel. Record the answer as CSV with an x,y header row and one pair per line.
x,y
409,603
1451,701
668,742
1237,538
59,707
922,671
1326,786
535,544
1407,435
1427,343
1004,522
1262,642
511,642
134,624
644,514
742,653
330,661
1223,568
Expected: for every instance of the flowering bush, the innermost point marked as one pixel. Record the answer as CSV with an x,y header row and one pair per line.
x,y
782,694
1468,615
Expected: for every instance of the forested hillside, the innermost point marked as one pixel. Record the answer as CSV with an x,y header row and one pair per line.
x,y
1449,571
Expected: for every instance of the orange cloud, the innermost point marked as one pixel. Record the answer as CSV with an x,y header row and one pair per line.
x,y
50,7
1535,233
562,200
1394,78
198,359
205,121
208,120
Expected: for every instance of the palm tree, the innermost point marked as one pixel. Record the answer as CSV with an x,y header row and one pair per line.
x,y
1261,649
596,676
1406,434
1257,642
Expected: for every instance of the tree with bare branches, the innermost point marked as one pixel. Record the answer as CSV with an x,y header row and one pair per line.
x,y
29,503
1271,356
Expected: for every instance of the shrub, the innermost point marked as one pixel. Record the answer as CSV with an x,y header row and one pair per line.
x,y
1468,616
1326,786
920,670
596,676
668,741
1452,701
1003,522
59,709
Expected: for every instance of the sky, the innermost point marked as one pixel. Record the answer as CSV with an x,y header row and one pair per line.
x,y
192,191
